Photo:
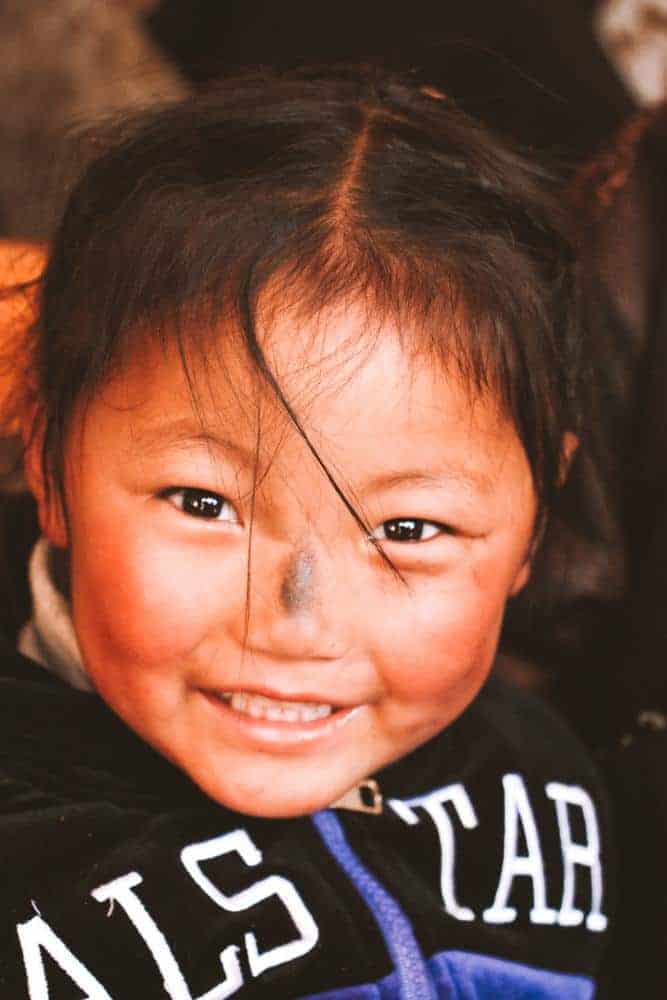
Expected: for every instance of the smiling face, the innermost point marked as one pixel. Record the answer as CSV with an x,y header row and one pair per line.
x,y
277,688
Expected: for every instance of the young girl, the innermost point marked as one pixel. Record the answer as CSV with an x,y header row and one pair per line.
x,y
306,360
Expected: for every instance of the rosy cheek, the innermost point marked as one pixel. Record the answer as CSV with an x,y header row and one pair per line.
x,y
151,601
446,640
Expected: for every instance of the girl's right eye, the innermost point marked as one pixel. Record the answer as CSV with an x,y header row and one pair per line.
x,y
201,503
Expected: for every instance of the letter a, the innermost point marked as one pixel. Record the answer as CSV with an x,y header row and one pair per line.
x,y
518,810
36,936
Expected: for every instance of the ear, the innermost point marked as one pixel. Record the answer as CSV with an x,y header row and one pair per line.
x,y
49,507
568,449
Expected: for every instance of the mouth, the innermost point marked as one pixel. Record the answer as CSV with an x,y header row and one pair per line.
x,y
258,706
277,724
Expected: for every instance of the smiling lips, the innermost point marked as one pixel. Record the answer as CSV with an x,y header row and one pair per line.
x,y
274,710
277,725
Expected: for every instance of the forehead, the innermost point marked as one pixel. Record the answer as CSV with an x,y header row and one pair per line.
x,y
353,382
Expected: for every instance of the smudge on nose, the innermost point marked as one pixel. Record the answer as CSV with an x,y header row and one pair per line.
x,y
297,592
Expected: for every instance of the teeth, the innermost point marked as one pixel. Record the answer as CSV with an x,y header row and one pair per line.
x,y
273,710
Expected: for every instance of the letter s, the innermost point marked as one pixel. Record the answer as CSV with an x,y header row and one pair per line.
x,y
272,885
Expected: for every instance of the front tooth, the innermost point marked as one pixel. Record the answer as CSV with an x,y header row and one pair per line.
x,y
274,713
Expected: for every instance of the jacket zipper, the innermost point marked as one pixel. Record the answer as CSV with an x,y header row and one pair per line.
x,y
394,925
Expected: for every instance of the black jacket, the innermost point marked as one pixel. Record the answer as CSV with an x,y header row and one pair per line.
x,y
478,879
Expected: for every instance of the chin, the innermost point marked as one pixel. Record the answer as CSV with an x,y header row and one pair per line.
x,y
269,802
277,807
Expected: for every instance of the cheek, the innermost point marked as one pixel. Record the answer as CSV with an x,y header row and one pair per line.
x,y
138,597
443,637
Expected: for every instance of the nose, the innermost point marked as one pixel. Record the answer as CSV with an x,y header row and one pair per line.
x,y
297,590
303,614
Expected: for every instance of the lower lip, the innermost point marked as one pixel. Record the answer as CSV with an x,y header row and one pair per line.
x,y
280,736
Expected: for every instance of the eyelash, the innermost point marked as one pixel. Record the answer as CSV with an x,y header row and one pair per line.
x,y
207,506
402,526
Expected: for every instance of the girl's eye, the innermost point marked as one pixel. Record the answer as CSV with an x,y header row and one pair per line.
x,y
409,529
201,503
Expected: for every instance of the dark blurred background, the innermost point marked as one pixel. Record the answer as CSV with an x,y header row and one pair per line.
x,y
533,70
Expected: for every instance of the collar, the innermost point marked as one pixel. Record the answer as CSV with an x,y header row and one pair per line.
x,y
49,636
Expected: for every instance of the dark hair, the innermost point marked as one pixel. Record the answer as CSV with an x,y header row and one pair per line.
x,y
351,183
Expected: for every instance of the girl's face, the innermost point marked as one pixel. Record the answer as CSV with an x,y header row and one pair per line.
x,y
278,687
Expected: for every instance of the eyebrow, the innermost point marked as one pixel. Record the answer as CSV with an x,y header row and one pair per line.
x,y
476,481
182,432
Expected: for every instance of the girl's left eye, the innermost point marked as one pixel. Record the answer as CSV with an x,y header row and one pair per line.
x,y
409,529
201,503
